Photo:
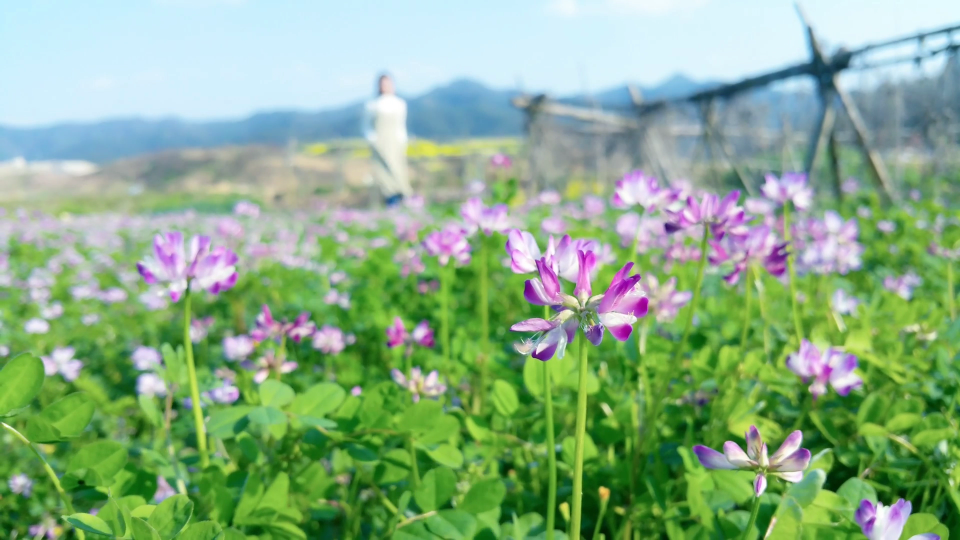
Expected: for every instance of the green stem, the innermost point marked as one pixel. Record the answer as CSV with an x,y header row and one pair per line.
x,y
951,303
551,445
581,431
761,302
746,311
603,511
194,387
445,312
753,519
484,293
701,268
793,274
67,505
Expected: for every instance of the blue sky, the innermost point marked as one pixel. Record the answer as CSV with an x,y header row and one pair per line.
x,y
204,59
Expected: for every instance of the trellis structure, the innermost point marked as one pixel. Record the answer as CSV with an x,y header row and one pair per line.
x,y
646,129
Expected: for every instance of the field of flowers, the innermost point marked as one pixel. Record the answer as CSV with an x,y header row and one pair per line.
x,y
663,363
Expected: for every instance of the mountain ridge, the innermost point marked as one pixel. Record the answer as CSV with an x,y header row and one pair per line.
x,y
461,108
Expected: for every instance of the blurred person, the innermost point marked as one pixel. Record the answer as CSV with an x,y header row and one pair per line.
x,y
385,128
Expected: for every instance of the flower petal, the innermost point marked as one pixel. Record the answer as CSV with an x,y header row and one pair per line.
x,y
533,325
790,445
759,485
712,459
796,461
736,456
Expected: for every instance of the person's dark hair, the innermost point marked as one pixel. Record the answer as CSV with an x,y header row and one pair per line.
x,y
383,76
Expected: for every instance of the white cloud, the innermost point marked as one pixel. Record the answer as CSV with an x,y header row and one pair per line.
x,y
572,8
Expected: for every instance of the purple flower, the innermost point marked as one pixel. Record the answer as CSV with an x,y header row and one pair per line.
x,y
939,251
230,228
113,295
760,247
487,219
638,189
151,384
397,334
61,361
549,197
269,328
832,366
418,385
903,285
523,251
723,216
146,358
356,391
267,364
828,246
501,161
788,462
850,185
879,522
593,206
164,491
790,187
225,394
36,326
553,225
886,226
448,243
199,328
21,484
47,527
213,270
617,309
329,340
246,208
843,303
664,301
237,347
55,310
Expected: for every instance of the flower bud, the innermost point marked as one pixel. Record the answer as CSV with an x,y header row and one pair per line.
x,y
604,494
565,511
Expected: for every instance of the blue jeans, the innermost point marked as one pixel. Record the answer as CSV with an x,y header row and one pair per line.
x,y
393,200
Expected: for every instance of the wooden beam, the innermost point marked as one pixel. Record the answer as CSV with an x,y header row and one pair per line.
x,y
860,130
823,127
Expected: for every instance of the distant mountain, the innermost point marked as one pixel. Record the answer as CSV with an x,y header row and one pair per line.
x,y
462,108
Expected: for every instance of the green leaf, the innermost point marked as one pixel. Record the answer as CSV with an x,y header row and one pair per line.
x,y
903,422
504,398
171,516
20,382
873,409
929,438
95,465
446,426
393,467
142,530
117,517
452,524
227,423
143,511
483,496
63,419
479,429
249,498
90,524
568,449
319,400
805,491
233,534
268,416
173,362
274,393
148,405
924,523
869,429
855,490
436,489
447,455
276,497
205,530
421,417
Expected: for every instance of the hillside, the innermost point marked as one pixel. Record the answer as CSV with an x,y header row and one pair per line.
x,y
463,108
